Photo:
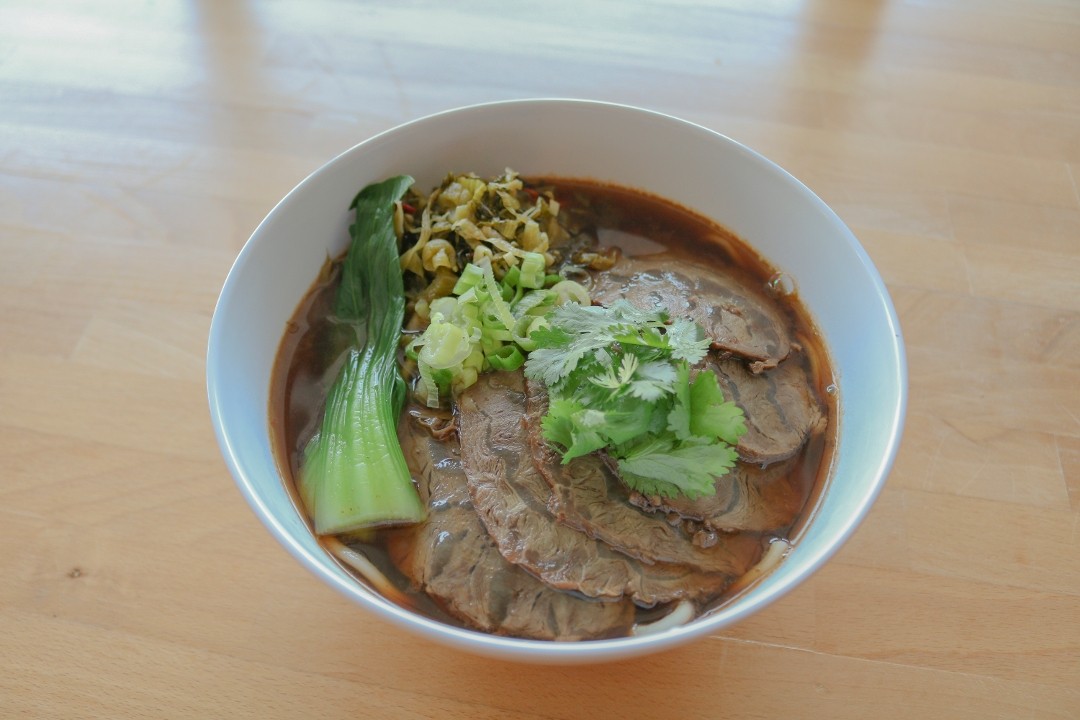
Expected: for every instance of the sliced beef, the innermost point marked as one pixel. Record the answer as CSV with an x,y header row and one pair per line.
x,y
747,498
781,408
511,498
454,560
737,317
588,496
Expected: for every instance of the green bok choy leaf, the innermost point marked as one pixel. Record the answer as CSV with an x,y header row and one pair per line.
x,y
354,474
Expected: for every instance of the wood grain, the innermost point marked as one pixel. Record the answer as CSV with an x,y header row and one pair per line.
x,y
141,142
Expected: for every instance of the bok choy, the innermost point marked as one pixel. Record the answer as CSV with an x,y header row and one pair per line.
x,y
354,474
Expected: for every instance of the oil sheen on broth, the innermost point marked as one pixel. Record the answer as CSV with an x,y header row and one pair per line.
x,y
669,255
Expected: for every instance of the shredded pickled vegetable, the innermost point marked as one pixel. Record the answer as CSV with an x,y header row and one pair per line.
x,y
498,224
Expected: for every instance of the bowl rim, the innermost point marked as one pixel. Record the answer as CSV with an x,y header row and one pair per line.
x,y
529,650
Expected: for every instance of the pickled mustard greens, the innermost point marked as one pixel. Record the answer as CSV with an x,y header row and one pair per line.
x,y
354,474
496,223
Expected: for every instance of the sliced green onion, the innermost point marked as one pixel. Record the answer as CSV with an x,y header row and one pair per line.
x,y
445,306
475,359
570,291
472,276
512,278
537,302
442,379
464,379
445,345
499,334
508,357
532,270
469,310
499,306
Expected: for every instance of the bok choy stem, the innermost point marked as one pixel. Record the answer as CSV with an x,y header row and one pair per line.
x,y
354,474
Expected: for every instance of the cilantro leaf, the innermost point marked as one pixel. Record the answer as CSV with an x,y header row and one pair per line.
x,y
687,341
566,424
679,416
652,380
710,415
614,379
689,469
618,379
555,356
625,421
700,409
550,337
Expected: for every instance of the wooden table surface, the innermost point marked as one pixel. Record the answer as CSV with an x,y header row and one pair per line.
x,y
140,144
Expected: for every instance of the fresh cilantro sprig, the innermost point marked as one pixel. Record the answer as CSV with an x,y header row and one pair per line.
x,y
618,379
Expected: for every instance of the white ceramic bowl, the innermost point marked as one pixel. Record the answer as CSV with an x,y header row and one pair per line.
x,y
789,226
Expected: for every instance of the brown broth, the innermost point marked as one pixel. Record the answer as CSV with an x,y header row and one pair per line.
x,y
310,355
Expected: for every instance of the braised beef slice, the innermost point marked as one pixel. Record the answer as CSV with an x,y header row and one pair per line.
x,y
588,496
454,560
748,497
511,498
736,317
781,408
